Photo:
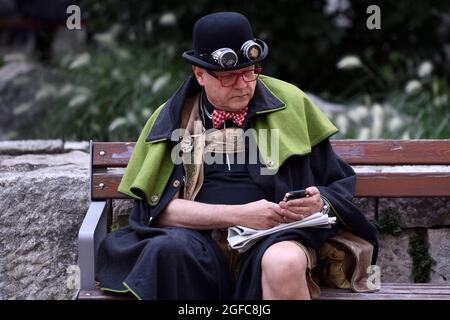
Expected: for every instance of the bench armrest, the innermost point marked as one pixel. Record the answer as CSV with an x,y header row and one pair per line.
x,y
92,232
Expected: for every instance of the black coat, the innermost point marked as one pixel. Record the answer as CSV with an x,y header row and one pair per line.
x,y
178,263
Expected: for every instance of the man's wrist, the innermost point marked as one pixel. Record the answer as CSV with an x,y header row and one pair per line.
x,y
233,213
326,206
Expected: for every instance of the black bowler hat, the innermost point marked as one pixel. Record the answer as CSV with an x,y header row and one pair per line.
x,y
224,41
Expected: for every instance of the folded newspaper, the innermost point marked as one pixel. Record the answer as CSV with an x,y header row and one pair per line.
x,y
242,238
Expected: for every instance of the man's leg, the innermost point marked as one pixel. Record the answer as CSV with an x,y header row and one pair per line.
x,y
284,272
179,263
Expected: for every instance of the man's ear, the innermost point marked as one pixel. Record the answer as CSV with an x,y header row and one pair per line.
x,y
199,74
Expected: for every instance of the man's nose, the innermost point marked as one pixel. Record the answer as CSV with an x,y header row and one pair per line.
x,y
240,83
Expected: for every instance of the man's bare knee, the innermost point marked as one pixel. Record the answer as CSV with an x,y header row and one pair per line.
x,y
284,260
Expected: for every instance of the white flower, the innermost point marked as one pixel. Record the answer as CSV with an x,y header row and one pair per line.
x,y
424,69
342,123
81,60
364,133
333,6
168,19
160,82
123,54
145,80
146,113
349,62
66,89
108,38
413,86
358,113
78,100
82,91
440,100
116,123
377,120
95,127
47,90
21,108
342,21
131,118
116,74
395,124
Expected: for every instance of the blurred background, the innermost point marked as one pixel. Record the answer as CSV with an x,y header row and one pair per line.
x,y
103,81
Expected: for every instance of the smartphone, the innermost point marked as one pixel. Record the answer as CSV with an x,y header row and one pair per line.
x,y
295,194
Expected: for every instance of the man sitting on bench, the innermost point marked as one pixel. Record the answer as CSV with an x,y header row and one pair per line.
x,y
195,171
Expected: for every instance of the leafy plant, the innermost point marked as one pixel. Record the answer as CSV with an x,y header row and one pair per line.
x,y
108,93
389,223
410,102
132,64
421,259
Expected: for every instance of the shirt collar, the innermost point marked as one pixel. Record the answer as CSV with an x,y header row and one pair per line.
x,y
169,118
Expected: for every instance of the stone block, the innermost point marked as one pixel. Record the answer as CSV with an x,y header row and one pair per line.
x,y
43,201
439,241
417,212
393,258
367,207
18,147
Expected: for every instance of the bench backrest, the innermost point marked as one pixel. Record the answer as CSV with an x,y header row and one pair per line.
x,y
385,168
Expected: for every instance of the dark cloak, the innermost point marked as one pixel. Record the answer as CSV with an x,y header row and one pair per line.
x,y
178,263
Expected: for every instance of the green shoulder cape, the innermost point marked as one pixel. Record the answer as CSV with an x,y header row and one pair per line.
x,y
300,124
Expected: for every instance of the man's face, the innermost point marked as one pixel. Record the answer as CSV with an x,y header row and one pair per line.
x,y
233,98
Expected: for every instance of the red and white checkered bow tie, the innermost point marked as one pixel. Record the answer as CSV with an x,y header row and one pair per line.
x,y
220,116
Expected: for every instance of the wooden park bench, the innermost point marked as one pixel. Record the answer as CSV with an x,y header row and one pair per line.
x,y
385,169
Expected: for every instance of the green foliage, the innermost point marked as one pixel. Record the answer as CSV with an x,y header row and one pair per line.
x,y
422,263
306,38
412,103
421,259
135,46
109,94
389,223
429,108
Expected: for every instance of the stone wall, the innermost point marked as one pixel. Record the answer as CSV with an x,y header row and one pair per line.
x,y
412,216
44,197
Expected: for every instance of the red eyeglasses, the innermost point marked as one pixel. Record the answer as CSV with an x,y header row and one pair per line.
x,y
230,79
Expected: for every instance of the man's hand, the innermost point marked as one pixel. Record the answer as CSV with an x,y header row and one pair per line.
x,y
261,214
297,209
